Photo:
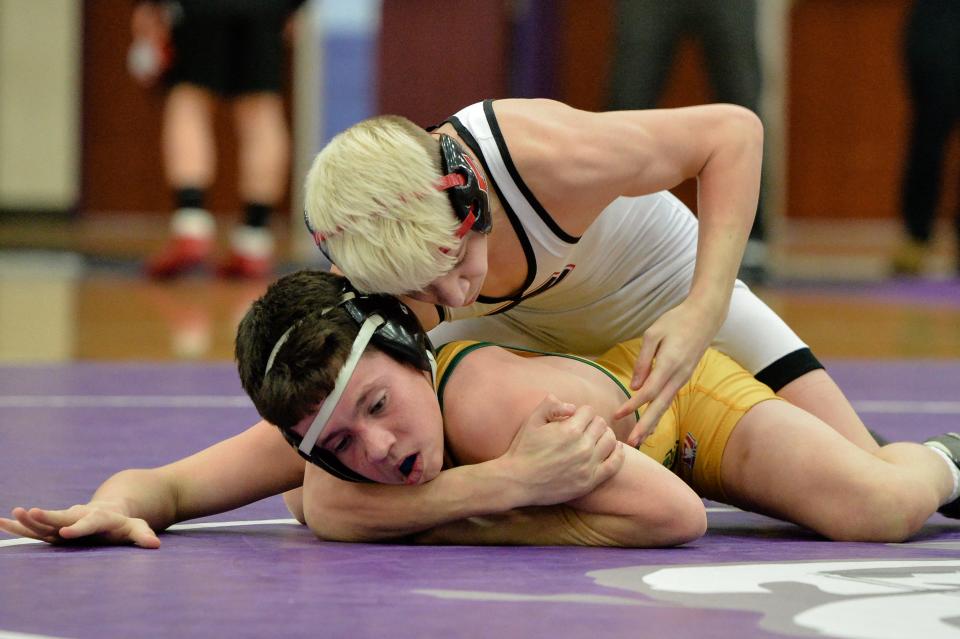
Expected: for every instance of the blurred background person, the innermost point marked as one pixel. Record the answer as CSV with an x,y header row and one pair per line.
x,y
202,50
932,61
647,35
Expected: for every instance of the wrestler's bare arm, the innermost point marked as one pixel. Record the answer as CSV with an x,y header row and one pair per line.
x,y
577,162
132,504
545,462
337,510
642,505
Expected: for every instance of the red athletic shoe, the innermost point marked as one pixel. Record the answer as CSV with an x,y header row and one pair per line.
x,y
251,254
180,255
237,266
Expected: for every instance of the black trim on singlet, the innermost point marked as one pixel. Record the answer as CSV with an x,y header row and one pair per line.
x,y
547,285
518,229
512,169
788,368
469,349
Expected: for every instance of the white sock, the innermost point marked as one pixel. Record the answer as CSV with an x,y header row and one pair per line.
x,y
252,242
954,471
193,223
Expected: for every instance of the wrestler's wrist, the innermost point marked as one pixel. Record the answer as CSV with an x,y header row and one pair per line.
x,y
511,486
709,308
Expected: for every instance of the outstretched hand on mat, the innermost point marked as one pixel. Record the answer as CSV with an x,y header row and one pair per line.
x,y
671,348
97,520
563,452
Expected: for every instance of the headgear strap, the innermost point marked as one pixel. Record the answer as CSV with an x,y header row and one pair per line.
x,y
343,378
393,329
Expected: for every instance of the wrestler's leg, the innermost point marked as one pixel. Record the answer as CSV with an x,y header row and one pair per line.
x,y
817,393
755,336
783,461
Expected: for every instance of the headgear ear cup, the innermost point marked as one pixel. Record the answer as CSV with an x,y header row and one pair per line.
x,y
469,198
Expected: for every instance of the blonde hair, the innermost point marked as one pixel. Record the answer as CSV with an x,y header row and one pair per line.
x,y
371,193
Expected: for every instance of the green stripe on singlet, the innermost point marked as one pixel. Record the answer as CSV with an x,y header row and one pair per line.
x,y
456,360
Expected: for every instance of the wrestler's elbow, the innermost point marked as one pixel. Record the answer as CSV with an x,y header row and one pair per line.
x,y
644,533
671,523
664,529
333,527
739,117
685,527
340,525
741,126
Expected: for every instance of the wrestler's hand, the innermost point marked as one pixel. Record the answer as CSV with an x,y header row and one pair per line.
x,y
99,520
672,346
562,452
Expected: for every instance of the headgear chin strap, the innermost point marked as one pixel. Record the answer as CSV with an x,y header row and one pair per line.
x,y
390,325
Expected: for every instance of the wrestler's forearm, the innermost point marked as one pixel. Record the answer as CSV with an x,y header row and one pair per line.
x,y
729,184
643,506
538,526
252,465
342,511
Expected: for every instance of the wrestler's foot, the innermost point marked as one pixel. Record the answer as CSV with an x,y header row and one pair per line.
x,y
189,246
949,444
250,255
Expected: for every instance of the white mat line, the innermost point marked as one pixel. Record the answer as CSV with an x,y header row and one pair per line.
x,y
905,406
241,401
5,634
21,541
234,524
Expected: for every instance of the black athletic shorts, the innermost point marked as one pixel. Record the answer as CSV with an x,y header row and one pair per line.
x,y
231,50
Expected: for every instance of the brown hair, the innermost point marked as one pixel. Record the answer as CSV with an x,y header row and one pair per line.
x,y
305,367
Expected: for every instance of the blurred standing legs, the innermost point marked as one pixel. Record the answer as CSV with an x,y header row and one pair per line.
x,y
648,33
932,49
233,52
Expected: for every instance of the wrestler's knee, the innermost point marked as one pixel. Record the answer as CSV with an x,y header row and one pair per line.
x,y
877,511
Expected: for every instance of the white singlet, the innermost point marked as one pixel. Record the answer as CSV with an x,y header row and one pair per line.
x,y
583,295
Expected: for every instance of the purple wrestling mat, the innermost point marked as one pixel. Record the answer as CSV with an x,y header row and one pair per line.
x,y
252,572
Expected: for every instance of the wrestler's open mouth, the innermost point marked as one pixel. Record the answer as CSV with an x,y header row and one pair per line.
x,y
407,466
